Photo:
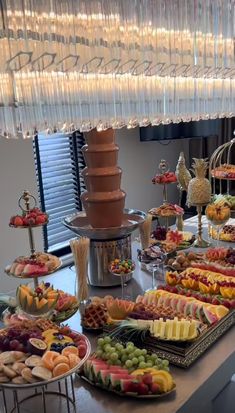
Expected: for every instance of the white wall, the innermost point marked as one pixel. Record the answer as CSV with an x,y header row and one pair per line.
x,y
16,174
139,161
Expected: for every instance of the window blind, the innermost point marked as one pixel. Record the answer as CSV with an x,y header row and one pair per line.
x,y
59,162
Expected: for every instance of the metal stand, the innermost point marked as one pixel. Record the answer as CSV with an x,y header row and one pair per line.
x,y
40,392
200,242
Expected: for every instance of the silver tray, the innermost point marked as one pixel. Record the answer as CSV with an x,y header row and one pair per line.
x,y
54,379
78,223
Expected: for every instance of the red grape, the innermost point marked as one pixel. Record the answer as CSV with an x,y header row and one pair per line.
x,y
14,344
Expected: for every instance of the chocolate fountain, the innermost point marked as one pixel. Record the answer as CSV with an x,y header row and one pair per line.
x,y
104,221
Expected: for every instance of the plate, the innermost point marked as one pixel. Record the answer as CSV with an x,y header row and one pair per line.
x,y
22,276
136,396
54,379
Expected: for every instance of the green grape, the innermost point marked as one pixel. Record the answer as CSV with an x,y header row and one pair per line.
x,y
141,358
107,339
112,349
109,362
144,352
118,362
107,348
149,364
114,356
129,349
165,363
99,353
129,343
128,364
124,358
142,365
137,352
119,347
131,356
123,351
135,361
100,341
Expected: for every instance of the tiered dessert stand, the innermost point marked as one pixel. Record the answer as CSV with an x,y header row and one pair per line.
x,y
163,168
30,202
221,156
14,396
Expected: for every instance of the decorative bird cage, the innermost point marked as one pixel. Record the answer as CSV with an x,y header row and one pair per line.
x,y
221,167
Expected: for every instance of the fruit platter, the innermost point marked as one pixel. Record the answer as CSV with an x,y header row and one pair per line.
x,y
164,178
166,210
172,240
128,370
32,352
32,218
39,265
227,233
225,171
42,301
176,326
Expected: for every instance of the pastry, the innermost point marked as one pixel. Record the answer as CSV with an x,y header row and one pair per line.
x,y
18,367
33,361
41,373
4,379
27,375
95,316
9,372
19,380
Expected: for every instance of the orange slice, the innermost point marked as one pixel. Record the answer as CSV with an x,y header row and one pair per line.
x,y
60,369
48,359
70,350
61,359
73,360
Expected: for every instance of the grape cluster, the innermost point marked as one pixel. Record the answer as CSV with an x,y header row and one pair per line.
x,y
128,355
17,339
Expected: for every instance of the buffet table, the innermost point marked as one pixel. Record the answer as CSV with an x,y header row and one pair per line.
x,y
196,387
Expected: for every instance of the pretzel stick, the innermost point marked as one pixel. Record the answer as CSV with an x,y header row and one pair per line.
x,y
80,250
145,231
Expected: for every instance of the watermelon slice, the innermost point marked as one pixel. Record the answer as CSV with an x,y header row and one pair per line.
x,y
115,379
211,318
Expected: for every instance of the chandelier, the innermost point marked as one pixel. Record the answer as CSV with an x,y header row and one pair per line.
x,y
80,64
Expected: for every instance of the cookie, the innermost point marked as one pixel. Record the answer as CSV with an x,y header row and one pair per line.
x,y
27,375
4,379
19,380
18,367
9,372
33,361
42,373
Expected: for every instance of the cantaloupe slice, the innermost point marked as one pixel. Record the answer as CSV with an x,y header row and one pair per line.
x,y
41,303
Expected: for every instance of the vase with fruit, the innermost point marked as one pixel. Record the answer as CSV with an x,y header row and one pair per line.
x,y
218,215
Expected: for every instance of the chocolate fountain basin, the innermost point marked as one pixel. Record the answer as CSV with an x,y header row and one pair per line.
x,y
79,224
106,244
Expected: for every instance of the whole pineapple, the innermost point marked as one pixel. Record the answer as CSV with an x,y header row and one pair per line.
x,y
199,188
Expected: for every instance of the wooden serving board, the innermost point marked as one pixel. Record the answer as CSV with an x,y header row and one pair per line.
x,y
183,354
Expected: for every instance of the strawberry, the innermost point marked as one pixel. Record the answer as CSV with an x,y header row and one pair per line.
x,y
12,219
143,389
154,388
147,379
32,214
30,221
40,219
18,221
